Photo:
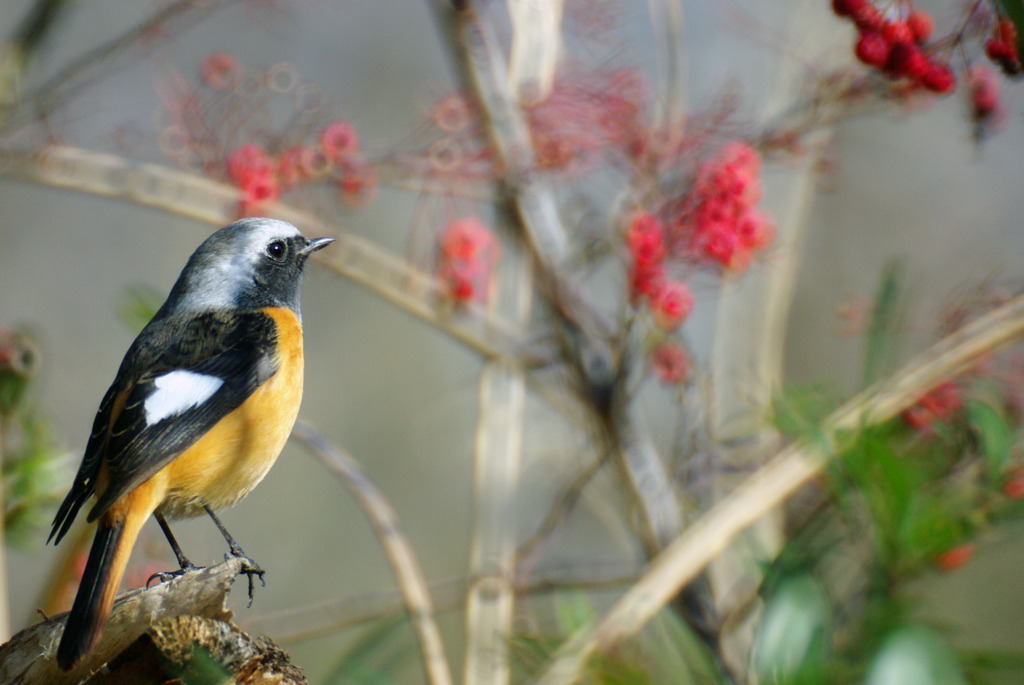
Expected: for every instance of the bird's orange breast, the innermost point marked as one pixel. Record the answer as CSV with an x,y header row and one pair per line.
x,y
225,464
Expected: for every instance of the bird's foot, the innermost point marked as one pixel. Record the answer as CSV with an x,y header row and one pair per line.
x,y
164,576
250,568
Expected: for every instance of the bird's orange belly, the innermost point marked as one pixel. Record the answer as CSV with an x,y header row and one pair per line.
x,y
232,458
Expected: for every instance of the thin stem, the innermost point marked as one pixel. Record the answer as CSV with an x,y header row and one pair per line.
x,y
42,100
328,617
408,573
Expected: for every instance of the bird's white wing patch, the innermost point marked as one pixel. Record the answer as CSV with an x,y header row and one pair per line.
x,y
178,391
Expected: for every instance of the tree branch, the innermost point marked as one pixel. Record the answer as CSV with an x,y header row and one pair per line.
x,y
29,657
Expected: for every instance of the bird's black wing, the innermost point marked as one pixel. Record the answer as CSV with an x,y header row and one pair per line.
x,y
148,416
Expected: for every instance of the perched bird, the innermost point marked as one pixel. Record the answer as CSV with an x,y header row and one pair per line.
x,y
200,408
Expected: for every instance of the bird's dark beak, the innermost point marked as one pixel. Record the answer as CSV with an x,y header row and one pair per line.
x,y
316,244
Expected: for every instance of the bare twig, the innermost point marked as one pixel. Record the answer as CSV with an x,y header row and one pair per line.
x,y
771,485
409,575
670,41
42,100
490,601
536,47
323,618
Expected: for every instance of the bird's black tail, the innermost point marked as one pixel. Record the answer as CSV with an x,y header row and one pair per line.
x,y
102,576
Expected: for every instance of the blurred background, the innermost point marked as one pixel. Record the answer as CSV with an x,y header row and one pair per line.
x,y
401,397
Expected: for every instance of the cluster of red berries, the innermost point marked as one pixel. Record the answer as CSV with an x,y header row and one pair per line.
x,y
670,301
1002,49
263,177
468,253
938,404
896,45
718,222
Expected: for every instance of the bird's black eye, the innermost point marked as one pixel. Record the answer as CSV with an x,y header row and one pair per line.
x,y
276,249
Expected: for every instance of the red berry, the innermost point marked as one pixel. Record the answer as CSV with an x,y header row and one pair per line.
x,y
719,243
984,87
921,25
917,417
670,363
339,140
943,400
998,50
1006,31
938,78
671,305
1014,489
754,230
868,18
898,32
906,59
872,49
845,8
645,238
467,257
645,281
952,559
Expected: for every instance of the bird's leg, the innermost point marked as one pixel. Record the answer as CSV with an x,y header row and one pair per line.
x,y
249,567
183,562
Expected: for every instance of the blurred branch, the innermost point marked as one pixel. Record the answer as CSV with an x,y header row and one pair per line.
x,y
82,71
536,47
324,618
215,203
408,574
667,26
490,601
17,54
772,484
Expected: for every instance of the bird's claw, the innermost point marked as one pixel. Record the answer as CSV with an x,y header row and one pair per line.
x,y
250,568
164,576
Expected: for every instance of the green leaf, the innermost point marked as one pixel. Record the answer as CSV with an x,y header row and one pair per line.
x,y
913,654
882,342
994,433
799,410
790,643
673,653
573,610
887,481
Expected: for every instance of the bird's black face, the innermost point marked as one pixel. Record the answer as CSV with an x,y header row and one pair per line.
x,y
277,271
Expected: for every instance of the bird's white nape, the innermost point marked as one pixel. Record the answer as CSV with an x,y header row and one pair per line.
x,y
178,391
